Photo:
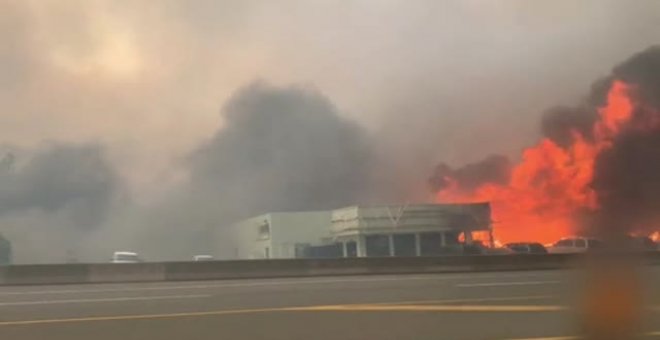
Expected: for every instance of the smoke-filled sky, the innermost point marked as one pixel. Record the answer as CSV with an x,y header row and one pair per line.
x,y
150,87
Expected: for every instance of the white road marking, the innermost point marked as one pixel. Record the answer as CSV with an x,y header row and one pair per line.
x,y
115,299
504,284
257,284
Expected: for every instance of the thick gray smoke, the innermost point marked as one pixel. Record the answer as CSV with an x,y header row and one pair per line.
x,y
493,169
59,177
281,149
425,79
59,195
561,122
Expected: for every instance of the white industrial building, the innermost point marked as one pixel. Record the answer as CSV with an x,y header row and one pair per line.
x,y
278,235
407,230
359,231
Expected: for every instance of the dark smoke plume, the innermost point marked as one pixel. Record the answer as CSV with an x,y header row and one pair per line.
x,y
559,123
643,71
76,178
627,176
494,169
281,149
54,199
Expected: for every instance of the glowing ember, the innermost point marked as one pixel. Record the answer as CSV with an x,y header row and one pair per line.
x,y
550,186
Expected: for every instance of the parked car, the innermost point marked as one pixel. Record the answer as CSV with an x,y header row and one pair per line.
x,y
526,248
498,251
478,248
641,243
125,257
199,258
575,245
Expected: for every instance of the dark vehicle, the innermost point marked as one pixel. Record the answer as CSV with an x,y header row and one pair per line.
x,y
642,243
474,248
526,248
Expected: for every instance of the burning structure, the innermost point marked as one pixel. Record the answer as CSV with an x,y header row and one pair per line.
x,y
596,169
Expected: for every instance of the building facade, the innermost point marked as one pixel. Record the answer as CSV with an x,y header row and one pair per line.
x,y
278,235
361,231
408,230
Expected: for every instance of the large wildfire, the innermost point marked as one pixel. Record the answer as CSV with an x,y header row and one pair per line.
x,y
596,169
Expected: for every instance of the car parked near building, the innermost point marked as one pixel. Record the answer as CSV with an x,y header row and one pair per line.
x,y
641,243
575,245
526,248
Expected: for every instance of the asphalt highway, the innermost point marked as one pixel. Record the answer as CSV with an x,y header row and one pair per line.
x,y
506,305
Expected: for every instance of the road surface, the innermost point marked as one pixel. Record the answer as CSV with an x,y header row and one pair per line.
x,y
510,305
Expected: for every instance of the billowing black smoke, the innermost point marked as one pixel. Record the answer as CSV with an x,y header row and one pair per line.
x,y
494,169
561,122
643,71
54,198
627,175
281,149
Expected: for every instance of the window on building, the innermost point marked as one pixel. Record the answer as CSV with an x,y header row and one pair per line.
x,y
378,245
334,250
404,245
301,250
264,231
451,238
430,244
351,249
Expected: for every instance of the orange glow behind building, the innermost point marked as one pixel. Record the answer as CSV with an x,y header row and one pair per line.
x,y
551,185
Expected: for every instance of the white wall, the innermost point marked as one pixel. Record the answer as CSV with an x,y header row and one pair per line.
x,y
241,240
286,230
298,227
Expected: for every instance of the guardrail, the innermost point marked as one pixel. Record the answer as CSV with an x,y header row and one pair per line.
x,y
244,269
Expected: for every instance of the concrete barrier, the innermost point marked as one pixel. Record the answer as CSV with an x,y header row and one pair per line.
x,y
44,274
126,272
245,269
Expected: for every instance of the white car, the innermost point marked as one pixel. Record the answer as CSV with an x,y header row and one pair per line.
x,y
571,245
125,257
198,258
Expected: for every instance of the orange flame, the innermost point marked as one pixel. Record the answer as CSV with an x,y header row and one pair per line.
x,y
551,184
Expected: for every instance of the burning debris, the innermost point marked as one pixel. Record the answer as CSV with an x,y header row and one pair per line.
x,y
596,169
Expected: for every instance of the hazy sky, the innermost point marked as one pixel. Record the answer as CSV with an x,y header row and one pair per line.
x,y
144,124
432,80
